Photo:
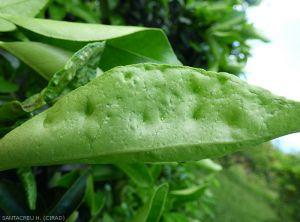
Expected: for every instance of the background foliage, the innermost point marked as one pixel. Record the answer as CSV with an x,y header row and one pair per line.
x,y
209,34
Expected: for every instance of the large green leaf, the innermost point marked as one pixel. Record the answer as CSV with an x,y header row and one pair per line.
x,y
151,113
28,8
43,58
125,44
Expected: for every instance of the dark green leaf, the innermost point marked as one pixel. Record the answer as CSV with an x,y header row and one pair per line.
x,y
10,200
71,199
7,87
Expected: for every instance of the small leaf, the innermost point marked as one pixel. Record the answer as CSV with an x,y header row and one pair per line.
x,y
153,209
139,173
72,198
29,184
95,200
188,194
65,180
175,217
73,217
208,164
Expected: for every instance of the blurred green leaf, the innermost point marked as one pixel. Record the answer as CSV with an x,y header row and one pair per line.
x,y
7,87
29,184
95,200
175,217
66,180
153,209
10,199
139,173
188,194
72,199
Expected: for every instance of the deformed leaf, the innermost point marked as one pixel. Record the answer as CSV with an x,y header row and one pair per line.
x,y
151,113
78,70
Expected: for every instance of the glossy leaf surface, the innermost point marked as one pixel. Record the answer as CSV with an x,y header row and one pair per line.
x,y
28,8
151,113
43,58
125,44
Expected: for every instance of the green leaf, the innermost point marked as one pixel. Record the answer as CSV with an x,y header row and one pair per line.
x,y
7,87
105,172
73,217
151,113
188,194
6,26
78,70
65,180
95,200
29,184
43,58
72,198
209,165
153,209
10,199
28,8
11,111
175,217
124,45
139,173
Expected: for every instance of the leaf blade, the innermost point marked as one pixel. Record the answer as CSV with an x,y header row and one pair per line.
x,y
151,113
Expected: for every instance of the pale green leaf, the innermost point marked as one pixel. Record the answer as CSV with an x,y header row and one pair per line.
x,y
43,58
151,113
